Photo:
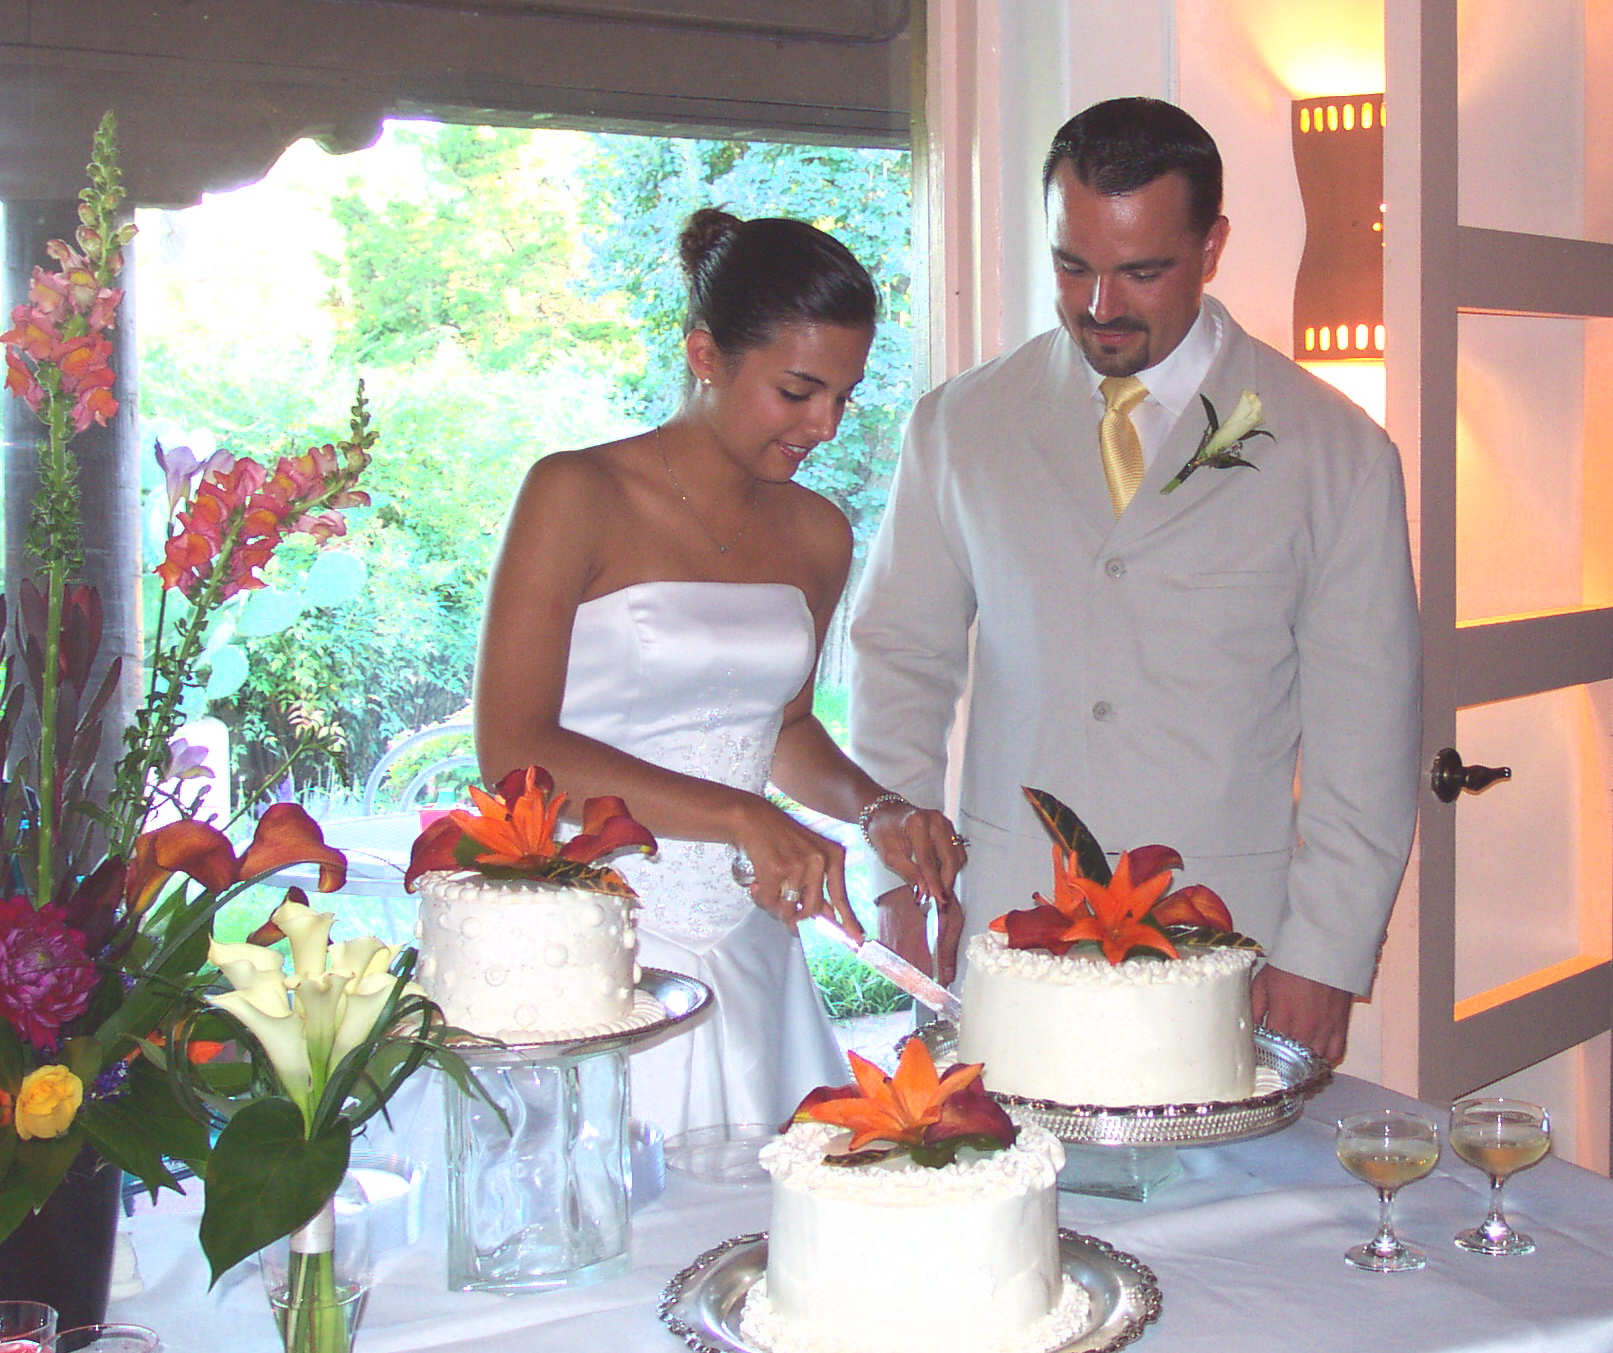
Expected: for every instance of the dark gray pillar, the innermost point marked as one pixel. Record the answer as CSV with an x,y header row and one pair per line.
x,y
109,470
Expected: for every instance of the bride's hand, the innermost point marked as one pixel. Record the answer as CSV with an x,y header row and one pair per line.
x,y
798,873
919,845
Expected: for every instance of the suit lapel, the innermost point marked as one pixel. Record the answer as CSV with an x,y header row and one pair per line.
x,y
1065,435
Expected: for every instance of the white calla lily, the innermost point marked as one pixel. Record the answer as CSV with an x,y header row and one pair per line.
x,y
1243,420
247,965
320,998
366,998
361,957
281,1034
309,933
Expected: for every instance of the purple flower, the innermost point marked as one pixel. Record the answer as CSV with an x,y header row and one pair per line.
x,y
46,977
186,761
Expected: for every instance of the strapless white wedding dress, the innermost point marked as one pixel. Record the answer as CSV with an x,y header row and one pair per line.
x,y
694,676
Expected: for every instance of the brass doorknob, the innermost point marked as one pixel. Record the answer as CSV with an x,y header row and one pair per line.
x,y
1449,777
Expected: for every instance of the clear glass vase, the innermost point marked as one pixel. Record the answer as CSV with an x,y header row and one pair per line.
x,y
543,1203
318,1277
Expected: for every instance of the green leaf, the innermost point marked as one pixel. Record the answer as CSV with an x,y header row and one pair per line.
x,y
11,1059
1071,834
265,1179
1207,937
335,577
936,1154
39,1164
268,611
229,673
144,1124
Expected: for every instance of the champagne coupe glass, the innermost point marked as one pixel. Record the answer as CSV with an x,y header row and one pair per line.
x,y
1387,1148
1501,1137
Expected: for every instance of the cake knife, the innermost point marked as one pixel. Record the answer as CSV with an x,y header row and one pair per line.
x,y
898,971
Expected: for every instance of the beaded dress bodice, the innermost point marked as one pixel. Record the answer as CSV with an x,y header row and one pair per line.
x,y
692,676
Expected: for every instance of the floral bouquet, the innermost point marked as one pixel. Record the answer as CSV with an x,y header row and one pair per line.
x,y
1119,913
916,1112
96,960
512,836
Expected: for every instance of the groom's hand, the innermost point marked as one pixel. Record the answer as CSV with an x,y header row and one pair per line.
x,y
904,927
1307,1011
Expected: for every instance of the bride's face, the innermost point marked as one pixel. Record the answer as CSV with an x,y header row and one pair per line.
x,y
769,407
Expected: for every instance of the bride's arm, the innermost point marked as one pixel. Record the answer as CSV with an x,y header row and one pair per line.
x,y
919,845
546,562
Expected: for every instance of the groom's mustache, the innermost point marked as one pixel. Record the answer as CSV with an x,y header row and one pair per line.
x,y
1122,324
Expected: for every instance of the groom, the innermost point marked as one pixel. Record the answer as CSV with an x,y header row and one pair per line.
x,y
1227,665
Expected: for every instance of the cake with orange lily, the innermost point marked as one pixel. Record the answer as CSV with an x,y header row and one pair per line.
x,y
1115,992
911,1213
524,938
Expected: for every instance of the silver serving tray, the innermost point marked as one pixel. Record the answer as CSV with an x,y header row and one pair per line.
x,y
1286,1074
680,996
702,1304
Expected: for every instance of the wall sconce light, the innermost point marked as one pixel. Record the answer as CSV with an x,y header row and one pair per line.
x,y
1338,294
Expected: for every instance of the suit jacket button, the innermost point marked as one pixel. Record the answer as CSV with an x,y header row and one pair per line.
x,y
1115,569
1102,710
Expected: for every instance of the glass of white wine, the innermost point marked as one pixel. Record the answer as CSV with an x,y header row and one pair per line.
x,y
1387,1148
1501,1137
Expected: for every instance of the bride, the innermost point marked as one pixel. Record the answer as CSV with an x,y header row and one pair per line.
x,y
652,631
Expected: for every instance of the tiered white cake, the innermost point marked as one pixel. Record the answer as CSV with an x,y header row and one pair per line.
x,y
897,1258
1078,1030
525,961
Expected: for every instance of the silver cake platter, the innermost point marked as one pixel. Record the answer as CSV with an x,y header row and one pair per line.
x,y
702,1304
681,998
1286,1075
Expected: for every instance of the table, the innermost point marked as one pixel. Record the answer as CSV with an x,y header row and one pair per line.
x,y
1247,1247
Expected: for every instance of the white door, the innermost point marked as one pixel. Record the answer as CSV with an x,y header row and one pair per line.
x,y
1499,285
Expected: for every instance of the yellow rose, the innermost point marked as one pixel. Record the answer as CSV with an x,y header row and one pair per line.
x,y
49,1098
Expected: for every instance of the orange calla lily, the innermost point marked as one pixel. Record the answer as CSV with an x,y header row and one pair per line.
x,y
915,1107
285,835
512,834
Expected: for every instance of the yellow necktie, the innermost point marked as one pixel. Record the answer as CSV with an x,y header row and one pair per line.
x,y
1117,438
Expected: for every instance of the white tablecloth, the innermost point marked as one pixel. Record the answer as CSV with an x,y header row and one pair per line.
x,y
1247,1247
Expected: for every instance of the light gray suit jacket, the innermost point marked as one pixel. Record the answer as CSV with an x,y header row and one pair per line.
x,y
1160,673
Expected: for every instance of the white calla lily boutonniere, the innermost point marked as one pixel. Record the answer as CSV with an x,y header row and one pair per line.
x,y
1221,442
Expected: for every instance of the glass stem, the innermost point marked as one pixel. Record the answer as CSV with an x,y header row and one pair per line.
x,y
1386,1242
1495,1225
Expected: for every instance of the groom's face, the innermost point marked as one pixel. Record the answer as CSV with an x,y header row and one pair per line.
x,y
1129,267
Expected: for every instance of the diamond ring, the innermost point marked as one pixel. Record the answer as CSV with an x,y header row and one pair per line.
x,y
790,895
743,870
958,840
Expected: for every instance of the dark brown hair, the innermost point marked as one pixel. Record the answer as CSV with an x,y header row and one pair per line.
x,y
747,278
1121,145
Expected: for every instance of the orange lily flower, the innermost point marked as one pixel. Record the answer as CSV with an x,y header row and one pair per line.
x,y
915,1107
1110,914
512,834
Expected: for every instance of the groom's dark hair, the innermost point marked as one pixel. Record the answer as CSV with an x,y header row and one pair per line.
x,y
1121,145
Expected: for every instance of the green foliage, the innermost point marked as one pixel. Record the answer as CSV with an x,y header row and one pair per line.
x,y
850,987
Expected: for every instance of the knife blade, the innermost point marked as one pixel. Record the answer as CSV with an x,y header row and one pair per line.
x,y
898,971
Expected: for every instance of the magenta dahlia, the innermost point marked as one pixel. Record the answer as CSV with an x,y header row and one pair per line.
x,y
46,976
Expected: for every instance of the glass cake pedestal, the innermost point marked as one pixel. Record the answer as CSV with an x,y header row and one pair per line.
x,y
1130,1152
539,1198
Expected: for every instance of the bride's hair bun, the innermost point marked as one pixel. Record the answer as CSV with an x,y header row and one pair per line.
x,y
704,236
748,278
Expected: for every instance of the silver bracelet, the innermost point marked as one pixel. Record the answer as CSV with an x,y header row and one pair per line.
x,y
873,806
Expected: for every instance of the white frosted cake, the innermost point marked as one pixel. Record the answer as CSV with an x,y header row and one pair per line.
x,y
1078,1030
525,961
893,1257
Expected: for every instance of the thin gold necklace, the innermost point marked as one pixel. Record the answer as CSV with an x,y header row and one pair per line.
x,y
750,501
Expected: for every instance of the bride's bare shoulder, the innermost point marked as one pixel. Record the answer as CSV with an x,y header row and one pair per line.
x,y
587,475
